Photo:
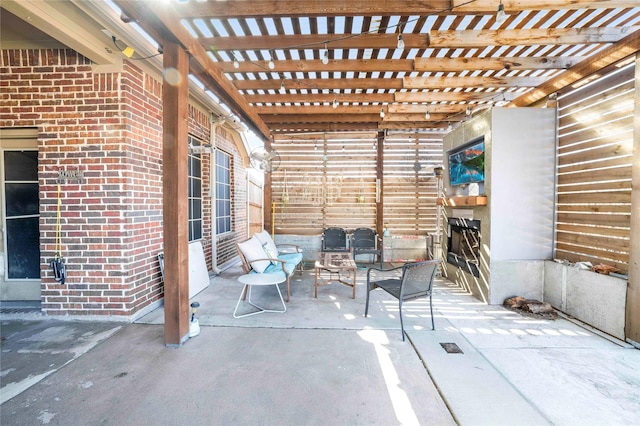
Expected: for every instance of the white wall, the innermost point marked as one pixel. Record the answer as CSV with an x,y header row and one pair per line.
x,y
522,183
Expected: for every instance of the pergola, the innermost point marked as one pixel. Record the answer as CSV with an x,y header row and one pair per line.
x,y
285,67
291,66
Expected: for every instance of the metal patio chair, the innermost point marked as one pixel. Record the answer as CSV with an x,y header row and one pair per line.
x,y
366,241
416,281
334,239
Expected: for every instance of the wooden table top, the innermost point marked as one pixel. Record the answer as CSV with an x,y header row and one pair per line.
x,y
337,261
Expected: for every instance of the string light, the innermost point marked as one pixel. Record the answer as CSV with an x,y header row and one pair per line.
x,y
468,110
335,103
381,112
283,89
400,42
325,56
236,64
427,115
271,64
501,16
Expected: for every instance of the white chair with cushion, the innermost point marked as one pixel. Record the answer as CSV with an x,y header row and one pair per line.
x,y
259,254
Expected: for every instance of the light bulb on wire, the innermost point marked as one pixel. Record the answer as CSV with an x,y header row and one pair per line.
x,y
325,56
427,115
501,16
400,42
271,64
381,112
283,89
335,103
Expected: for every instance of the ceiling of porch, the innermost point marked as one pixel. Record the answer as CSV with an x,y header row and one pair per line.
x,y
319,66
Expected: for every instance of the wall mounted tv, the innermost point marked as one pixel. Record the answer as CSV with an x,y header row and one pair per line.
x,y
466,163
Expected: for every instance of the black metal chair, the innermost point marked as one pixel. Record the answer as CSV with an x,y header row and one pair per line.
x,y
334,239
366,241
416,281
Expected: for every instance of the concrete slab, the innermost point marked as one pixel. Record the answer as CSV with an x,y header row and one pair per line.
x,y
33,350
228,376
575,386
474,390
322,362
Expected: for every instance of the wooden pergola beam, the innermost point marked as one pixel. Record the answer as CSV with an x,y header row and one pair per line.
x,y
467,82
405,65
320,98
485,96
149,13
375,84
614,53
293,8
441,39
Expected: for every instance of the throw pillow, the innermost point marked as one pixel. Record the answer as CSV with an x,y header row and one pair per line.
x,y
253,251
265,238
270,253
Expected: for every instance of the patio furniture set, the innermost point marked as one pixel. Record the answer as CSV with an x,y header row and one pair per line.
x,y
264,263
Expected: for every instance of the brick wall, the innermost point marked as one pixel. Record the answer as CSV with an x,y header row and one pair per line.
x,y
108,127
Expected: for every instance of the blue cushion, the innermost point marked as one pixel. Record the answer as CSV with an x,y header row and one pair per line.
x,y
291,261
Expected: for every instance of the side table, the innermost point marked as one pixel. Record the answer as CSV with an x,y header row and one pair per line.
x,y
250,280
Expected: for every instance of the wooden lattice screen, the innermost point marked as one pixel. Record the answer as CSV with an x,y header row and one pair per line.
x,y
594,169
330,180
409,183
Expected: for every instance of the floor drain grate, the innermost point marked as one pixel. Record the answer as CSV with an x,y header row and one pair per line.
x,y
451,348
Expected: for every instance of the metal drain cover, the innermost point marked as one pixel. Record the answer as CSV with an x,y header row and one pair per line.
x,y
451,348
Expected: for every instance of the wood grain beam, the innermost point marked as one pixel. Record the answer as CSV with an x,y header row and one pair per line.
x,y
489,6
453,96
322,127
321,97
420,109
334,65
440,39
403,125
467,82
321,83
405,65
418,117
319,109
292,8
614,53
148,11
515,63
369,8
320,118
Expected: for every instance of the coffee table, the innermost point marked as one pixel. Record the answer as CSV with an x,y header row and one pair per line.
x,y
250,280
332,267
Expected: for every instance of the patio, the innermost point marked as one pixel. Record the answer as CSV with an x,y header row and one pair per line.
x,y
321,362
512,369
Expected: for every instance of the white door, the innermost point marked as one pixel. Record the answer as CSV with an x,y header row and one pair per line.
x,y
19,215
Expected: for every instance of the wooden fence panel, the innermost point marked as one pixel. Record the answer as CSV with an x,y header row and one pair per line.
x,y
594,170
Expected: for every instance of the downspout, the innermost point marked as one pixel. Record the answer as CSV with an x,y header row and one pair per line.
x,y
212,178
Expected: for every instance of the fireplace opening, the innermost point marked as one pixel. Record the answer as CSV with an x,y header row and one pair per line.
x,y
463,244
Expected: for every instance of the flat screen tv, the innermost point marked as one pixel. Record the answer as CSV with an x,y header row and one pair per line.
x,y
466,164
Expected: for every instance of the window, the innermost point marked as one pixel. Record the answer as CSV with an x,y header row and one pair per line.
x,y
195,193
223,192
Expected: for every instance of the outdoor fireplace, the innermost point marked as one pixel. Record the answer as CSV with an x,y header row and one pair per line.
x,y
463,244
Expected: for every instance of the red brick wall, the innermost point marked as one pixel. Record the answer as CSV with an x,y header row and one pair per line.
x,y
107,126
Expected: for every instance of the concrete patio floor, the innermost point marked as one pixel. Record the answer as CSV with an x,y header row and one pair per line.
x,y
321,362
